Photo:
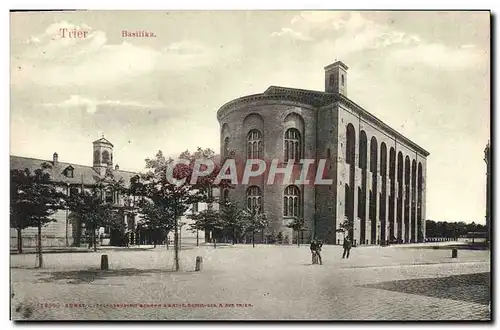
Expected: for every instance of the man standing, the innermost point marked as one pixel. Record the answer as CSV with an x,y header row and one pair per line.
x,y
318,252
347,247
313,247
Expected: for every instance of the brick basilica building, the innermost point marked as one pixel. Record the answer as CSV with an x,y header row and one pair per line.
x,y
378,174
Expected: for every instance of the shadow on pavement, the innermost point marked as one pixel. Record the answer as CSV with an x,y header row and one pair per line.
x,y
473,288
89,276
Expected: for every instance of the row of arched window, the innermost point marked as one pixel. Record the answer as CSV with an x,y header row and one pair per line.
x,y
292,201
363,154
292,145
402,172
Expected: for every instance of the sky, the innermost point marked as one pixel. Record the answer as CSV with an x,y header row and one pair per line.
x,y
426,74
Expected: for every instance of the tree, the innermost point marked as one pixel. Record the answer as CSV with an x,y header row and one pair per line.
x,y
34,199
271,237
153,218
171,200
297,224
254,221
93,211
207,220
234,220
279,238
345,227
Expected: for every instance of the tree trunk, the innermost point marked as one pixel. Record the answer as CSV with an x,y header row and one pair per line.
x,y
197,238
213,238
253,238
78,232
234,236
19,240
94,239
176,245
39,243
298,238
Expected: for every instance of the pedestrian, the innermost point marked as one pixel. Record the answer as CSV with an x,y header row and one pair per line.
x,y
347,247
318,252
313,251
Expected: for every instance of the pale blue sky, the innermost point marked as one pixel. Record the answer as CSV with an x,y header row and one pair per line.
x,y
426,74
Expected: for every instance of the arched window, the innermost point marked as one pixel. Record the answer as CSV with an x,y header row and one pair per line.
x,y
97,157
373,155
328,154
255,145
332,79
347,193
105,157
363,149
293,145
109,196
226,147
350,144
383,160
342,79
291,202
254,197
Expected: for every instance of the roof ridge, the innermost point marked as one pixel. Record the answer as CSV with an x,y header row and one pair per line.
x,y
270,88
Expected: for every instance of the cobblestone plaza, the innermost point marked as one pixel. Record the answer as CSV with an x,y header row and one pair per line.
x,y
266,282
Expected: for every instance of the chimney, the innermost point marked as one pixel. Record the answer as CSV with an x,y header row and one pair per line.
x,y
55,158
117,167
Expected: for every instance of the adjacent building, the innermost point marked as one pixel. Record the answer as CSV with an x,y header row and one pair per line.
x,y
71,178
378,174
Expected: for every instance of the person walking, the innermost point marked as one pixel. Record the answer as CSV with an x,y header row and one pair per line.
x,y
318,252
313,247
347,247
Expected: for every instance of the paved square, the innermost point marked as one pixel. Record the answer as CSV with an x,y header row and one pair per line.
x,y
261,283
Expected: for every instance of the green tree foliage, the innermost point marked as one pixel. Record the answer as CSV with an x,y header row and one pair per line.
x,y
34,200
297,224
451,229
234,220
254,221
167,200
345,227
208,220
91,209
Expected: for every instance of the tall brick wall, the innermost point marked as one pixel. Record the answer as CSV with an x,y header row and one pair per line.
x,y
324,137
272,118
347,116
326,195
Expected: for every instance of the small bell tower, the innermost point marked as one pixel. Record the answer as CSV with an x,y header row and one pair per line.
x,y
336,78
103,155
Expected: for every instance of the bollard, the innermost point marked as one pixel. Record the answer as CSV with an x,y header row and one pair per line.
x,y
199,264
454,253
104,262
